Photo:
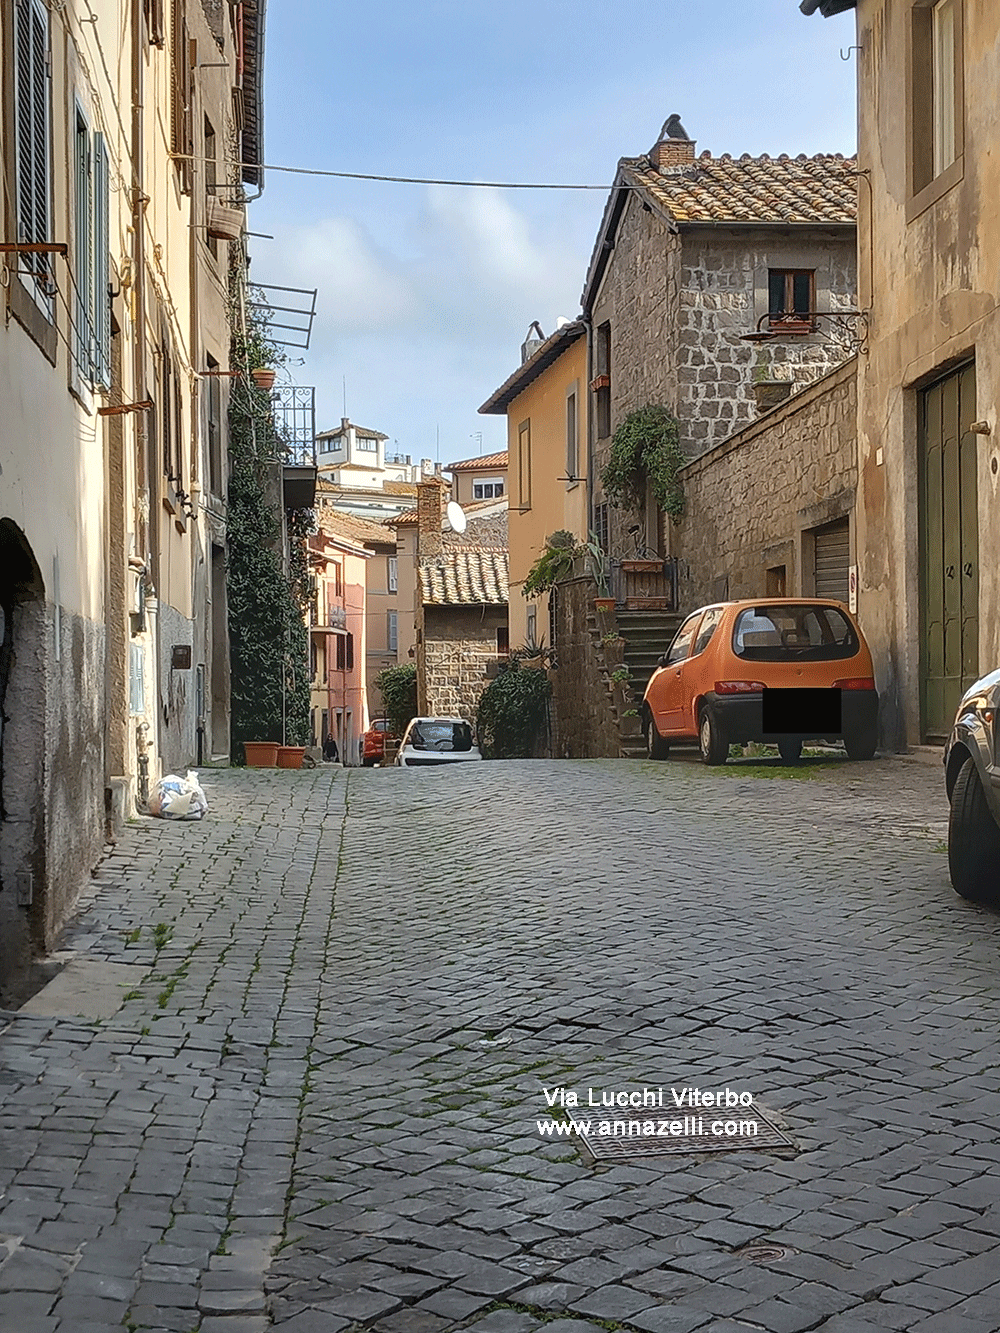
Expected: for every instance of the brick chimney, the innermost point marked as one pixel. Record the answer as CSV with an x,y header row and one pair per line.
x,y
671,153
430,498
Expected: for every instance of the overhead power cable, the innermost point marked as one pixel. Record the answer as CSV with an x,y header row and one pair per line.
x,y
401,180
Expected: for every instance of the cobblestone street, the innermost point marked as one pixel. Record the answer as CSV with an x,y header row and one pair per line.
x,y
317,1109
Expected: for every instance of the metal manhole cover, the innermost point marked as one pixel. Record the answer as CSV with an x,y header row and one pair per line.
x,y
765,1254
635,1134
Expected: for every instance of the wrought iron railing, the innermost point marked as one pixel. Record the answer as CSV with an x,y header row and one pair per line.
x,y
294,407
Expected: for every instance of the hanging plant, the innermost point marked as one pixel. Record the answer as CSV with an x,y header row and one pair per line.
x,y
553,565
646,448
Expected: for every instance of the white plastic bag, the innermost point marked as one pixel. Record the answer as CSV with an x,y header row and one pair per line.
x,y
178,798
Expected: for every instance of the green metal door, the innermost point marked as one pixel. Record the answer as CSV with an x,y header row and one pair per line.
x,y
949,550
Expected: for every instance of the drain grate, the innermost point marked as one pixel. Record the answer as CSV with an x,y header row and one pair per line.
x,y
632,1135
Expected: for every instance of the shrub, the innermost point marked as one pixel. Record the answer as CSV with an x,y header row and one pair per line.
x,y
513,712
398,686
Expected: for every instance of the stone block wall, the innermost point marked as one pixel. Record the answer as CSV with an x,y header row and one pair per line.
x,y
640,298
723,293
459,643
750,501
584,725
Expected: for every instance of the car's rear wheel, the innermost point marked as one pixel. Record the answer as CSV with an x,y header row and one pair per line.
x,y
656,746
712,741
860,747
973,840
790,751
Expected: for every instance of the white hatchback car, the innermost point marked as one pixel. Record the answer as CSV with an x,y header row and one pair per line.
x,y
437,740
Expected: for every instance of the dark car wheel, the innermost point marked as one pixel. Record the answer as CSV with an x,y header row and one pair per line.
x,y
656,746
790,751
973,840
711,740
860,747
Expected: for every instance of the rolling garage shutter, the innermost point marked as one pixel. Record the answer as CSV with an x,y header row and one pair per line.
x,y
832,558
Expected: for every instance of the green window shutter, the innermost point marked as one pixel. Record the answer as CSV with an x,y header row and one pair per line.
x,y
83,251
102,273
33,143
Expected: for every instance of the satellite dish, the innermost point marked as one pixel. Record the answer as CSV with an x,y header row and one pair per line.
x,y
562,321
456,516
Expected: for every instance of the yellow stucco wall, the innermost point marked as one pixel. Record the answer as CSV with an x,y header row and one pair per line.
x,y
553,503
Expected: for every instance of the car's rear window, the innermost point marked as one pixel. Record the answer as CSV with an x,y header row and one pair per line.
x,y
794,633
441,736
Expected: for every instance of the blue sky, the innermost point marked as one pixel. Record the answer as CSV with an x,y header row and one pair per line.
x,y
426,292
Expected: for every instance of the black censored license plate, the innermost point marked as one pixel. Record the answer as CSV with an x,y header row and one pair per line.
x,y
801,712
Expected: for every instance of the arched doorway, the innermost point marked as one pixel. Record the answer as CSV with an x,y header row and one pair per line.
x,y
23,671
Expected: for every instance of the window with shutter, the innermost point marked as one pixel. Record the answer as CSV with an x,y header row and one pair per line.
x,y
83,251
102,270
33,145
181,137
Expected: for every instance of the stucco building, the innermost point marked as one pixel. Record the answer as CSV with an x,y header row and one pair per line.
x,y
381,593
121,206
545,401
929,259
338,637
482,478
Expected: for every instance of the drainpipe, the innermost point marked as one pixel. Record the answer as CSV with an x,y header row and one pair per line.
x,y
586,321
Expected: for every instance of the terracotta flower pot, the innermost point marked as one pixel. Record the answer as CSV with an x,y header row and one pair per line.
x,y
604,603
260,754
290,756
263,377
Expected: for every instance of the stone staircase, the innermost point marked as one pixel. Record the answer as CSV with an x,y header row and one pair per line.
x,y
647,635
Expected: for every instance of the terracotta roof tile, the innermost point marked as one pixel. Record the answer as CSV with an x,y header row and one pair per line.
x,y
465,577
475,464
820,189
352,526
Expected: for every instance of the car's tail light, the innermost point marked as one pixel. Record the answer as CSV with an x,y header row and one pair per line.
x,y
739,686
855,683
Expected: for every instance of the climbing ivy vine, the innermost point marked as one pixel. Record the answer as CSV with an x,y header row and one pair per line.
x,y
646,447
268,598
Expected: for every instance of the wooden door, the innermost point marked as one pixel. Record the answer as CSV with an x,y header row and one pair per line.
x,y
949,550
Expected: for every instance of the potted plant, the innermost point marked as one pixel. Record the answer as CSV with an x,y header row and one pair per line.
x,y
263,377
600,569
290,756
260,754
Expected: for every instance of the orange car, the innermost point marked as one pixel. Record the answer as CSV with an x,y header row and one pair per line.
x,y
373,744
776,670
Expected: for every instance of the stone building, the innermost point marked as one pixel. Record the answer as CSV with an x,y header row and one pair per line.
x,y
461,602
768,511
929,258
693,254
